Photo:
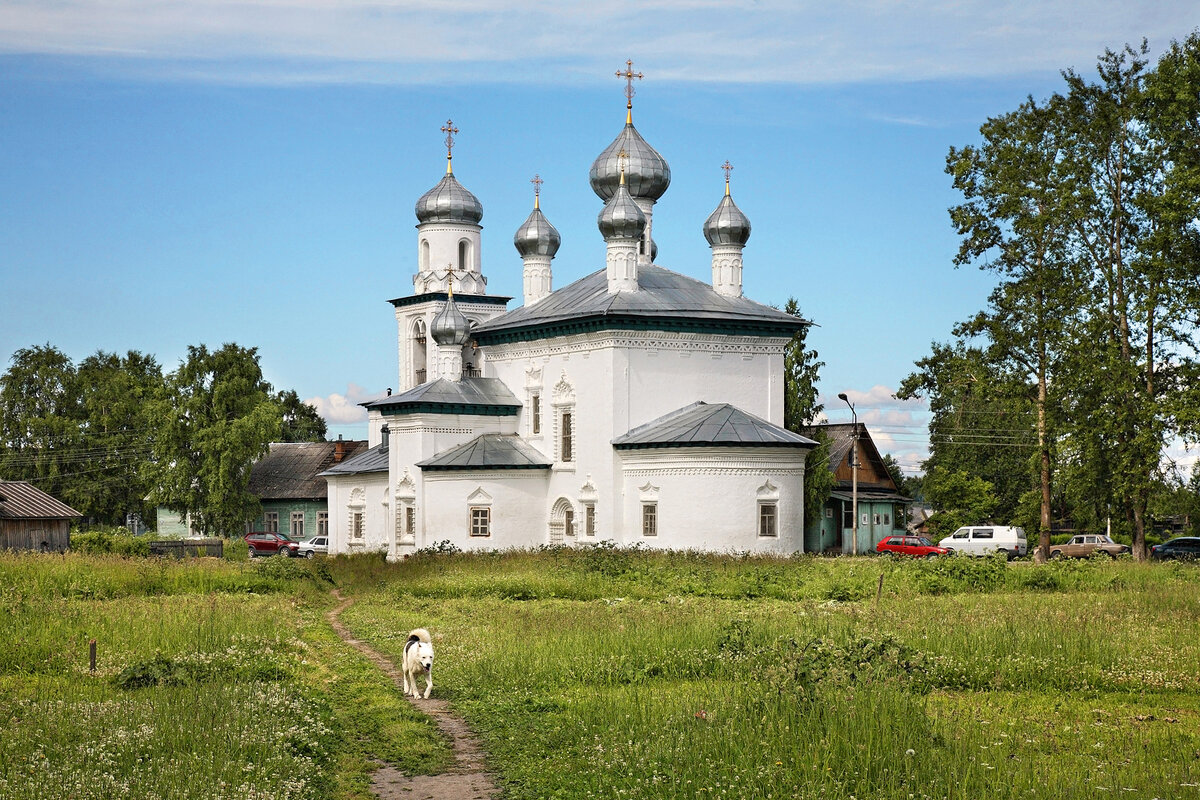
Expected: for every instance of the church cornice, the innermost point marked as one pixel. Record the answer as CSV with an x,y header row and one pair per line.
x,y
595,324
460,299
451,409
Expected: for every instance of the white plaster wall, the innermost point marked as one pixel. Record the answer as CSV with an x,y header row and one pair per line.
x,y
375,516
517,502
708,497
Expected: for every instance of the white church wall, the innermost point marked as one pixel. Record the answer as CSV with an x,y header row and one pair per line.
x,y
514,501
359,508
710,498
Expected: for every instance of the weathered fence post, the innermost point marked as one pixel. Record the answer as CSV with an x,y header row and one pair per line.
x,y
879,592
92,655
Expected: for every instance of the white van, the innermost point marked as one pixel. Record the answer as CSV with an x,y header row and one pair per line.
x,y
983,540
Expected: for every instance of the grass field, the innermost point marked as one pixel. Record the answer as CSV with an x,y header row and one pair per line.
x,y
607,673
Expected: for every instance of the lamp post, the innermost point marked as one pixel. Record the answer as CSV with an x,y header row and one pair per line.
x,y
854,479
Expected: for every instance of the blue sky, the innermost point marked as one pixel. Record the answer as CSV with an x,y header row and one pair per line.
x,y
173,173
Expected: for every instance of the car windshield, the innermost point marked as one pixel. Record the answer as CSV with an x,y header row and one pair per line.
x,y
284,536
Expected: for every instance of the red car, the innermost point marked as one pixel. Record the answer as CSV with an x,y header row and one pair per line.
x,y
268,544
915,546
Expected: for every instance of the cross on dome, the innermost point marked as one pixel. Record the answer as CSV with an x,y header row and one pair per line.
x,y
728,168
537,188
629,75
449,130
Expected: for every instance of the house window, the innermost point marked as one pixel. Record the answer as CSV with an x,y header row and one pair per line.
x,y
356,524
649,519
847,515
887,519
566,447
322,523
535,414
271,522
767,513
828,512
297,526
589,519
481,521
875,520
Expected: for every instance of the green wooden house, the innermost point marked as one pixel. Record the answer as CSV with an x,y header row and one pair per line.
x,y
882,509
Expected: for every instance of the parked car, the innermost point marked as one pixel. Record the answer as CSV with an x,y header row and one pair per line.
x,y
317,544
984,540
263,543
1089,544
1181,547
916,546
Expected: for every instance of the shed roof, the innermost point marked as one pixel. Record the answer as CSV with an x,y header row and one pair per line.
x,y
701,424
292,470
23,500
489,451
664,299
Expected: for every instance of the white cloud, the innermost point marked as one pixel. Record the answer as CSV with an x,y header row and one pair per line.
x,y
402,41
899,427
344,409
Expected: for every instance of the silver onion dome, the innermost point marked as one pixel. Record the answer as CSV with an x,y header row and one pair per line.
x,y
449,201
450,326
537,237
646,172
621,218
653,251
727,224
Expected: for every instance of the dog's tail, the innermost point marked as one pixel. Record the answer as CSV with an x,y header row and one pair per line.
x,y
419,635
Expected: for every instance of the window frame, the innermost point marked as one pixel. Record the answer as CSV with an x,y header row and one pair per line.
x,y
296,516
322,523
768,519
649,518
589,520
271,521
479,521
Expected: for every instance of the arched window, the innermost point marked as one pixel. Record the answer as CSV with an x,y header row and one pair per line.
x,y
424,256
464,254
418,352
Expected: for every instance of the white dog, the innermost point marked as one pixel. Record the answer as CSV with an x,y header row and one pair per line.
x,y
418,660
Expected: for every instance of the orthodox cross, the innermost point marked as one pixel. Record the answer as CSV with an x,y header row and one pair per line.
x,y
629,75
728,168
449,130
622,157
537,188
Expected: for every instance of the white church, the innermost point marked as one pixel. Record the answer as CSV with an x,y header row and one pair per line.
x,y
637,404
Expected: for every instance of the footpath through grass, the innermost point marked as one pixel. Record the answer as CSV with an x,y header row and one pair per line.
x,y
213,680
616,674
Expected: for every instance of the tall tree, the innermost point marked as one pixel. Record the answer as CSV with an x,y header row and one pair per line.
x,y
301,422
1013,223
801,371
117,429
40,440
217,418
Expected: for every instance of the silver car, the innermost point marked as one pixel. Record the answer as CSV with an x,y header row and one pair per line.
x,y
310,547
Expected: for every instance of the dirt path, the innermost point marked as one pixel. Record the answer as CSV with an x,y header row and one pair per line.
x,y
467,780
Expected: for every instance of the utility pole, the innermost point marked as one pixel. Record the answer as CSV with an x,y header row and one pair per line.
x,y
854,475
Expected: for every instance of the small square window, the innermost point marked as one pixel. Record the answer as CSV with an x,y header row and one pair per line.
x,y
767,513
875,519
649,519
829,512
481,521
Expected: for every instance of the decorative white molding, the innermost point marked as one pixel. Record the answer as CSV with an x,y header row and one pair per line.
x,y
406,487
358,496
731,471
676,341
564,392
768,491
479,498
587,492
648,493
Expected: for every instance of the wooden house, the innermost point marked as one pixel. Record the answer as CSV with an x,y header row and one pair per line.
x,y
882,509
30,519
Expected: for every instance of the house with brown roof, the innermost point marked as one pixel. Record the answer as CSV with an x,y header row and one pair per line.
x,y
286,481
30,519
882,508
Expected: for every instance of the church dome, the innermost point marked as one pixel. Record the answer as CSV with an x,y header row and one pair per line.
x,y
647,174
727,224
450,326
621,218
537,237
449,201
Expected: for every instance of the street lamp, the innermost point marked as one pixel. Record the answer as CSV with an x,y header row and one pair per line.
x,y
854,467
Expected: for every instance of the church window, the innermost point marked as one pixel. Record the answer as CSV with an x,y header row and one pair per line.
x,y
464,253
424,255
406,522
649,519
589,519
297,525
322,523
535,413
566,448
356,524
271,522
481,521
767,515
569,522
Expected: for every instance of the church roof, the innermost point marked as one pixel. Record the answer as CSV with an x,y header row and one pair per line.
x,y
292,470
373,460
665,300
703,425
489,451
484,396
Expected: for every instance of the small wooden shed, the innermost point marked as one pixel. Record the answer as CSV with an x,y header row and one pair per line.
x,y
30,519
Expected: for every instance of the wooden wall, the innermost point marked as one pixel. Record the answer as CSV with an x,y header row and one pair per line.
x,y
35,534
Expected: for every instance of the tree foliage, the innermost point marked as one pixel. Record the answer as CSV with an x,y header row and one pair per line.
x,y
217,418
801,371
300,422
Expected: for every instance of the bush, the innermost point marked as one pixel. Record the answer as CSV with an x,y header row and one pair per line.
x,y
113,540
